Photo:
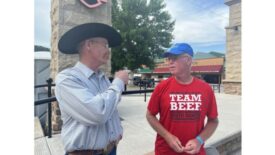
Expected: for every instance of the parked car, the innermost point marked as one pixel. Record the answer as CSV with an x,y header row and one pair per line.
x,y
149,83
136,80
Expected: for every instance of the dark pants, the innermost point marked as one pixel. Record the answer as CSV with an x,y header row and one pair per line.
x,y
113,152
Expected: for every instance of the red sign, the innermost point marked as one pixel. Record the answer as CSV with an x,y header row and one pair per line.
x,y
93,3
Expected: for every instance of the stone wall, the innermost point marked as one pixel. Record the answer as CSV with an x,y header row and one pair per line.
x,y
230,145
232,82
66,14
233,87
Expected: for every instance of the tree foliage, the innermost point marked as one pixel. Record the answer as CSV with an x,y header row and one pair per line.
x,y
146,29
38,48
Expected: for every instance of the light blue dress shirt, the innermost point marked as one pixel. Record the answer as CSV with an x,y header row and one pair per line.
x,y
88,104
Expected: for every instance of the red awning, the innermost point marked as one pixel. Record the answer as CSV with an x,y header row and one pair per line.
x,y
207,69
195,69
161,70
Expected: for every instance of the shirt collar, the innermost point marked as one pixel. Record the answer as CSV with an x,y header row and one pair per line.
x,y
87,71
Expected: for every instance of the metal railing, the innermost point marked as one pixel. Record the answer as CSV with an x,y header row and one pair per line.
x,y
51,99
215,86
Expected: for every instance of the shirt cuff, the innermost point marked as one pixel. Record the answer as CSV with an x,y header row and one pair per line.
x,y
119,84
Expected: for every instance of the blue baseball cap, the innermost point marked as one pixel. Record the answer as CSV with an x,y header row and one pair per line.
x,y
178,49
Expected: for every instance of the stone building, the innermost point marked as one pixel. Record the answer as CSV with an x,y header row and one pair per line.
x,y
233,79
66,14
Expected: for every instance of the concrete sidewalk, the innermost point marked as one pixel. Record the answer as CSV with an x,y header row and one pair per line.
x,y
139,137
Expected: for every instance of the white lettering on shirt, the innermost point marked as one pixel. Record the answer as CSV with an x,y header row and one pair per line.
x,y
185,102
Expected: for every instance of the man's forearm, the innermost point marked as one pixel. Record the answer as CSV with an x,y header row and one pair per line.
x,y
154,122
209,128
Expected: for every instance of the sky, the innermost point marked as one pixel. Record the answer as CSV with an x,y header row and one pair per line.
x,y
42,23
201,23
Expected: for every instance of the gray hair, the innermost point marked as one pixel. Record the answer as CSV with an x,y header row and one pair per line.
x,y
80,46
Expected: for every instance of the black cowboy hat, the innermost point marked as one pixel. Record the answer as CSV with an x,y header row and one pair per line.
x,y
69,41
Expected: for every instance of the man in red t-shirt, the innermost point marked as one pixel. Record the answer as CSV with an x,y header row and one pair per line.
x,y
182,102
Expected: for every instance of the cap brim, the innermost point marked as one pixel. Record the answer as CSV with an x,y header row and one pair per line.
x,y
167,54
69,41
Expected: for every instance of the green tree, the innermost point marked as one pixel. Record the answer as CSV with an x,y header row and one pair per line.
x,y
146,29
40,48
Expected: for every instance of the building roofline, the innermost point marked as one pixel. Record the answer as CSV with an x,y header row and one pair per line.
x,y
231,2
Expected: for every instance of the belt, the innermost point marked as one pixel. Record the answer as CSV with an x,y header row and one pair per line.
x,y
104,151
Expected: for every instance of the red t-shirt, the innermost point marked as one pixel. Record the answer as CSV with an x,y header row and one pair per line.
x,y
182,109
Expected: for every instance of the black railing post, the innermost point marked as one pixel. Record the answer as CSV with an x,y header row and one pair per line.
x,y
145,91
49,81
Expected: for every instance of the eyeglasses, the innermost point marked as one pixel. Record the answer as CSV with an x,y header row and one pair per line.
x,y
175,57
106,45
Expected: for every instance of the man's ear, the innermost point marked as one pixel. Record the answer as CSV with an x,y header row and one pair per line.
x,y
189,62
88,44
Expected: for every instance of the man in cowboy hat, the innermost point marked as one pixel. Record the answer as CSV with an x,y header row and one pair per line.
x,y
182,102
87,99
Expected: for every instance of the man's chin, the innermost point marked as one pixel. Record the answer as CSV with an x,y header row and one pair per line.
x,y
172,72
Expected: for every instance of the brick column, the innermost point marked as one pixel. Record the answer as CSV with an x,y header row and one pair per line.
x,y
233,81
66,14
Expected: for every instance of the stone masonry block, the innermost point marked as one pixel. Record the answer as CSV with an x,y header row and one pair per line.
x,y
56,127
72,2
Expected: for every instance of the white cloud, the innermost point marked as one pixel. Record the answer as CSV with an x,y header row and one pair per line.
x,y
199,21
